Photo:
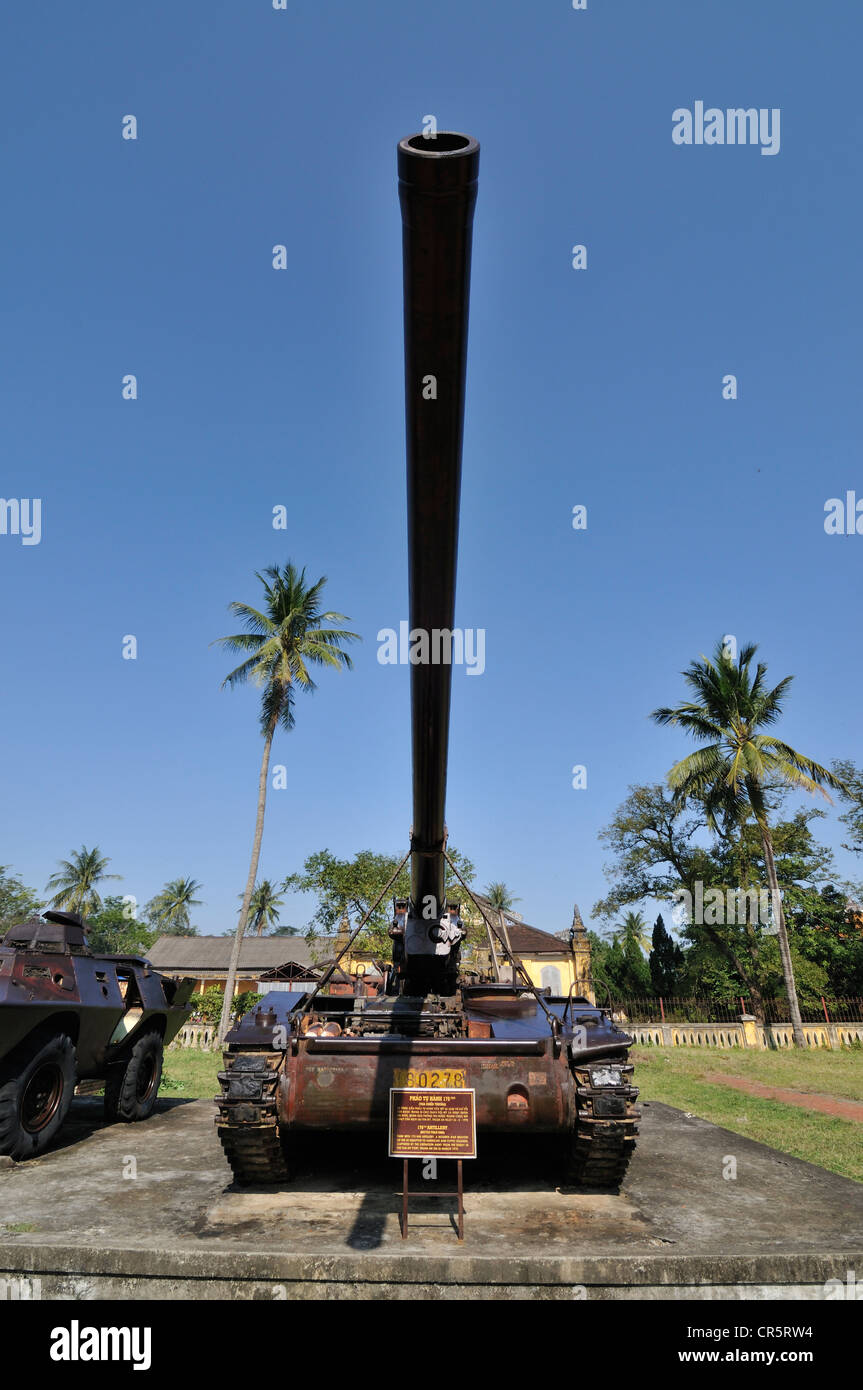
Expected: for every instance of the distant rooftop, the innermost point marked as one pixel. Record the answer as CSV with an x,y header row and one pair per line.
x,y
209,954
524,939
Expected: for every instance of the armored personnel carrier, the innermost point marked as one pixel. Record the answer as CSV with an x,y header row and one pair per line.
x,y
68,1016
325,1060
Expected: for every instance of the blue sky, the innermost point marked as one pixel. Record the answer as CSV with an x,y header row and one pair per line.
x,y
259,388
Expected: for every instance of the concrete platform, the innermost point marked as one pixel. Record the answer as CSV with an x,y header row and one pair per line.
x,y
80,1222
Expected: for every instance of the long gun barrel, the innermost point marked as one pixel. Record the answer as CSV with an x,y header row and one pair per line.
x,y
437,192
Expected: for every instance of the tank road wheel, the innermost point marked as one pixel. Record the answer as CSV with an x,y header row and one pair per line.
x,y
248,1122
132,1086
35,1094
606,1125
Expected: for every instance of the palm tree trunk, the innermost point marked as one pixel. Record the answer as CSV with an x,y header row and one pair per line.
x,y
743,871
231,980
784,948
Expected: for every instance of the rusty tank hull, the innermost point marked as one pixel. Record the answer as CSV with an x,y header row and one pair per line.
x,y
325,1061
68,1017
290,1071
338,1066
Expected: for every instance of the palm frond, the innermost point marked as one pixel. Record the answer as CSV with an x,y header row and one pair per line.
x,y
796,768
255,621
283,638
730,776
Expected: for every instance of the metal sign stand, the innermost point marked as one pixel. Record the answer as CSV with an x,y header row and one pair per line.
x,y
406,1193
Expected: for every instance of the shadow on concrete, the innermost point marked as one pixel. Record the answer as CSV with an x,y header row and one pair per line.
x,y
327,1164
87,1117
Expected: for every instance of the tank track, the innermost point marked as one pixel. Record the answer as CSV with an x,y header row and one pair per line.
x,y
247,1122
606,1125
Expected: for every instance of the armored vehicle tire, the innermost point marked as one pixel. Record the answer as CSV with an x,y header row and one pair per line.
x,y
132,1086
35,1094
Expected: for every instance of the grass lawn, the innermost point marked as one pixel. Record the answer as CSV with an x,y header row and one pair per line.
x,y
676,1075
829,1073
188,1072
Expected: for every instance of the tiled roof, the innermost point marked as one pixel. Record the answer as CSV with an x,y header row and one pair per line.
x,y
257,953
523,939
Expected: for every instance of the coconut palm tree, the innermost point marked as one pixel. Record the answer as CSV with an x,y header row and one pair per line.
x,y
169,910
731,773
633,928
74,885
282,640
264,906
500,898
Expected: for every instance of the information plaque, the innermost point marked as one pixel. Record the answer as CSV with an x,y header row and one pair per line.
x,y
432,1123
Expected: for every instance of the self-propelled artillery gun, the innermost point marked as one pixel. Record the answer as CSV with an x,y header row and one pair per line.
x,y
325,1060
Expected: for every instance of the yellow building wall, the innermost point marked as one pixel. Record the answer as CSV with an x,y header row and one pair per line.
x,y
241,987
564,964
574,968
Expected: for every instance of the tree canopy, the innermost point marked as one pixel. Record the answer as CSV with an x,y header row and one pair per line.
x,y
17,902
659,848
113,930
350,886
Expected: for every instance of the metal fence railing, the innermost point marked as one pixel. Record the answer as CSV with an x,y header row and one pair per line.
x,y
841,1010
679,1009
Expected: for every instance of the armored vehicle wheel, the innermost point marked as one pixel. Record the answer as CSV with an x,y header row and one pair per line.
x,y
36,1090
132,1086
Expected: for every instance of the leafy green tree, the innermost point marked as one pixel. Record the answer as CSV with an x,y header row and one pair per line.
x,y
828,933
708,973
615,972
606,964
169,910
811,979
281,642
666,960
17,902
737,856
728,773
618,968
264,908
208,1003
657,855
852,778
636,975
114,931
246,1001
74,885
655,849
352,885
